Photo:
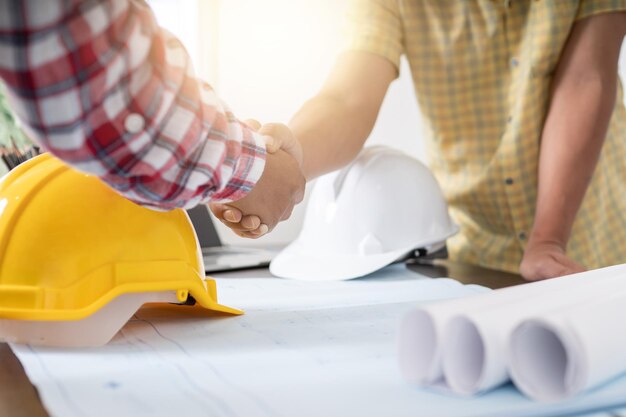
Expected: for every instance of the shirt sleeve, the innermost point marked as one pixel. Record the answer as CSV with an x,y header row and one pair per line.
x,y
589,8
102,87
375,26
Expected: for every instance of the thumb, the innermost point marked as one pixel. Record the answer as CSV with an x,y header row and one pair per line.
x,y
253,124
283,139
272,144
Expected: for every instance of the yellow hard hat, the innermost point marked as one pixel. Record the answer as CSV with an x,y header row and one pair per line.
x,y
77,260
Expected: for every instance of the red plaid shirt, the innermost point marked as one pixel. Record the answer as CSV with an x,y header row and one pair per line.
x,y
103,88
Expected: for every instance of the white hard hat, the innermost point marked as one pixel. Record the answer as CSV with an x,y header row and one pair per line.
x,y
382,207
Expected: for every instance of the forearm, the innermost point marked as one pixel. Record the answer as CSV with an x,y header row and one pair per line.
x,y
582,100
334,125
330,132
117,98
571,143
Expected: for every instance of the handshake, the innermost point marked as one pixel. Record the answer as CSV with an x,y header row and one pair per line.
x,y
276,193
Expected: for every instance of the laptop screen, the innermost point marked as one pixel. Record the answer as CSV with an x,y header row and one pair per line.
x,y
202,222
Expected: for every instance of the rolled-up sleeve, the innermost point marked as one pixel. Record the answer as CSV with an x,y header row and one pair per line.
x,y
375,26
587,8
101,86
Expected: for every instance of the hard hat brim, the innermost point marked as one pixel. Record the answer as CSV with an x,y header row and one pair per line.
x,y
299,263
94,330
294,263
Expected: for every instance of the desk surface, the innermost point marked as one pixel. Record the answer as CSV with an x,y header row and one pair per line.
x,y
19,398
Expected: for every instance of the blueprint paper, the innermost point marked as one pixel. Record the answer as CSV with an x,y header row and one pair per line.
x,y
392,284
302,349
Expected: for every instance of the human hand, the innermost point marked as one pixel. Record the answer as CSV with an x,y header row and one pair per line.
x,y
233,218
544,260
272,199
278,137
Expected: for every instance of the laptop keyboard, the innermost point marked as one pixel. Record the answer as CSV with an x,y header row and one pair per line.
x,y
225,250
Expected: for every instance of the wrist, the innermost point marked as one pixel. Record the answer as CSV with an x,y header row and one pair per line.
x,y
546,240
553,232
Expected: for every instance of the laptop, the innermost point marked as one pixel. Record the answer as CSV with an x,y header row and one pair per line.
x,y
219,257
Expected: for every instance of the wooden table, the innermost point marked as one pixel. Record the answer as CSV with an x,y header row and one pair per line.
x,y
19,398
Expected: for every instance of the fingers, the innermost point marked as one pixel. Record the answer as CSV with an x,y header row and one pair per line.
x,y
254,234
231,215
234,219
226,213
250,233
251,222
272,144
287,214
253,124
279,136
283,138
559,265
545,266
540,269
273,198
550,270
297,199
571,267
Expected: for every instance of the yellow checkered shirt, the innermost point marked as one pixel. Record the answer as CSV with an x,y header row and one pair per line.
x,y
482,72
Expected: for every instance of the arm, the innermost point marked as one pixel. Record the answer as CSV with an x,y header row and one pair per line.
x,y
582,101
103,88
333,126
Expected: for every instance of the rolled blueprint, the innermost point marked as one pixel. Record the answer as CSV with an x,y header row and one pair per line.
x,y
418,344
479,327
474,343
566,352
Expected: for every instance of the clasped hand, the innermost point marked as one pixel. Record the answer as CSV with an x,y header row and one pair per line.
x,y
276,193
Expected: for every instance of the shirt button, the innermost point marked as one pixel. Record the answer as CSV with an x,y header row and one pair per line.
x,y
134,123
514,62
522,235
509,181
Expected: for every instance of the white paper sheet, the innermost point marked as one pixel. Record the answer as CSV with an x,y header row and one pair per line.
x,y
302,350
421,343
565,352
480,336
462,345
